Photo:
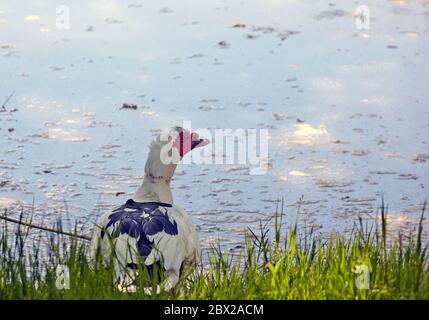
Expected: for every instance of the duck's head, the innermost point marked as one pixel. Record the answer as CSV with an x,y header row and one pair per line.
x,y
168,148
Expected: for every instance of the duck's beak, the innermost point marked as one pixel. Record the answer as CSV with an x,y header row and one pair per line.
x,y
198,142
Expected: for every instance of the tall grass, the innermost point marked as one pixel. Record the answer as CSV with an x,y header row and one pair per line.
x,y
290,266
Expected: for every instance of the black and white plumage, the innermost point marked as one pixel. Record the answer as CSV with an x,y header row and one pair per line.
x,y
150,227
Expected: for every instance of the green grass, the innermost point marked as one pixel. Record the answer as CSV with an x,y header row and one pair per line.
x,y
291,266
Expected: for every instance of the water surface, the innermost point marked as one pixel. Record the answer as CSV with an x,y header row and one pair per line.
x,y
347,109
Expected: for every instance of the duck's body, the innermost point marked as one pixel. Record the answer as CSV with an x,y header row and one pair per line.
x,y
149,228
157,234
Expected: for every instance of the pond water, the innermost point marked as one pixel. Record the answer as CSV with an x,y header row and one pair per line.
x,y
346,108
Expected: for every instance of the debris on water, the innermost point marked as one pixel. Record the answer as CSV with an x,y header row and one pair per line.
x,y
107,147
283,35
263,29
420,158
331,14
210,108
56,68
251,36
196,56
218,180
356,200
280,116
339,142
360,153
129,106
407,176
165,10
240,25
244,104
223,44
230,203
236,247
3,106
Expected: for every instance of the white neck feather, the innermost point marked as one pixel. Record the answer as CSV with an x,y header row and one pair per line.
x,y
156,182
158,191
